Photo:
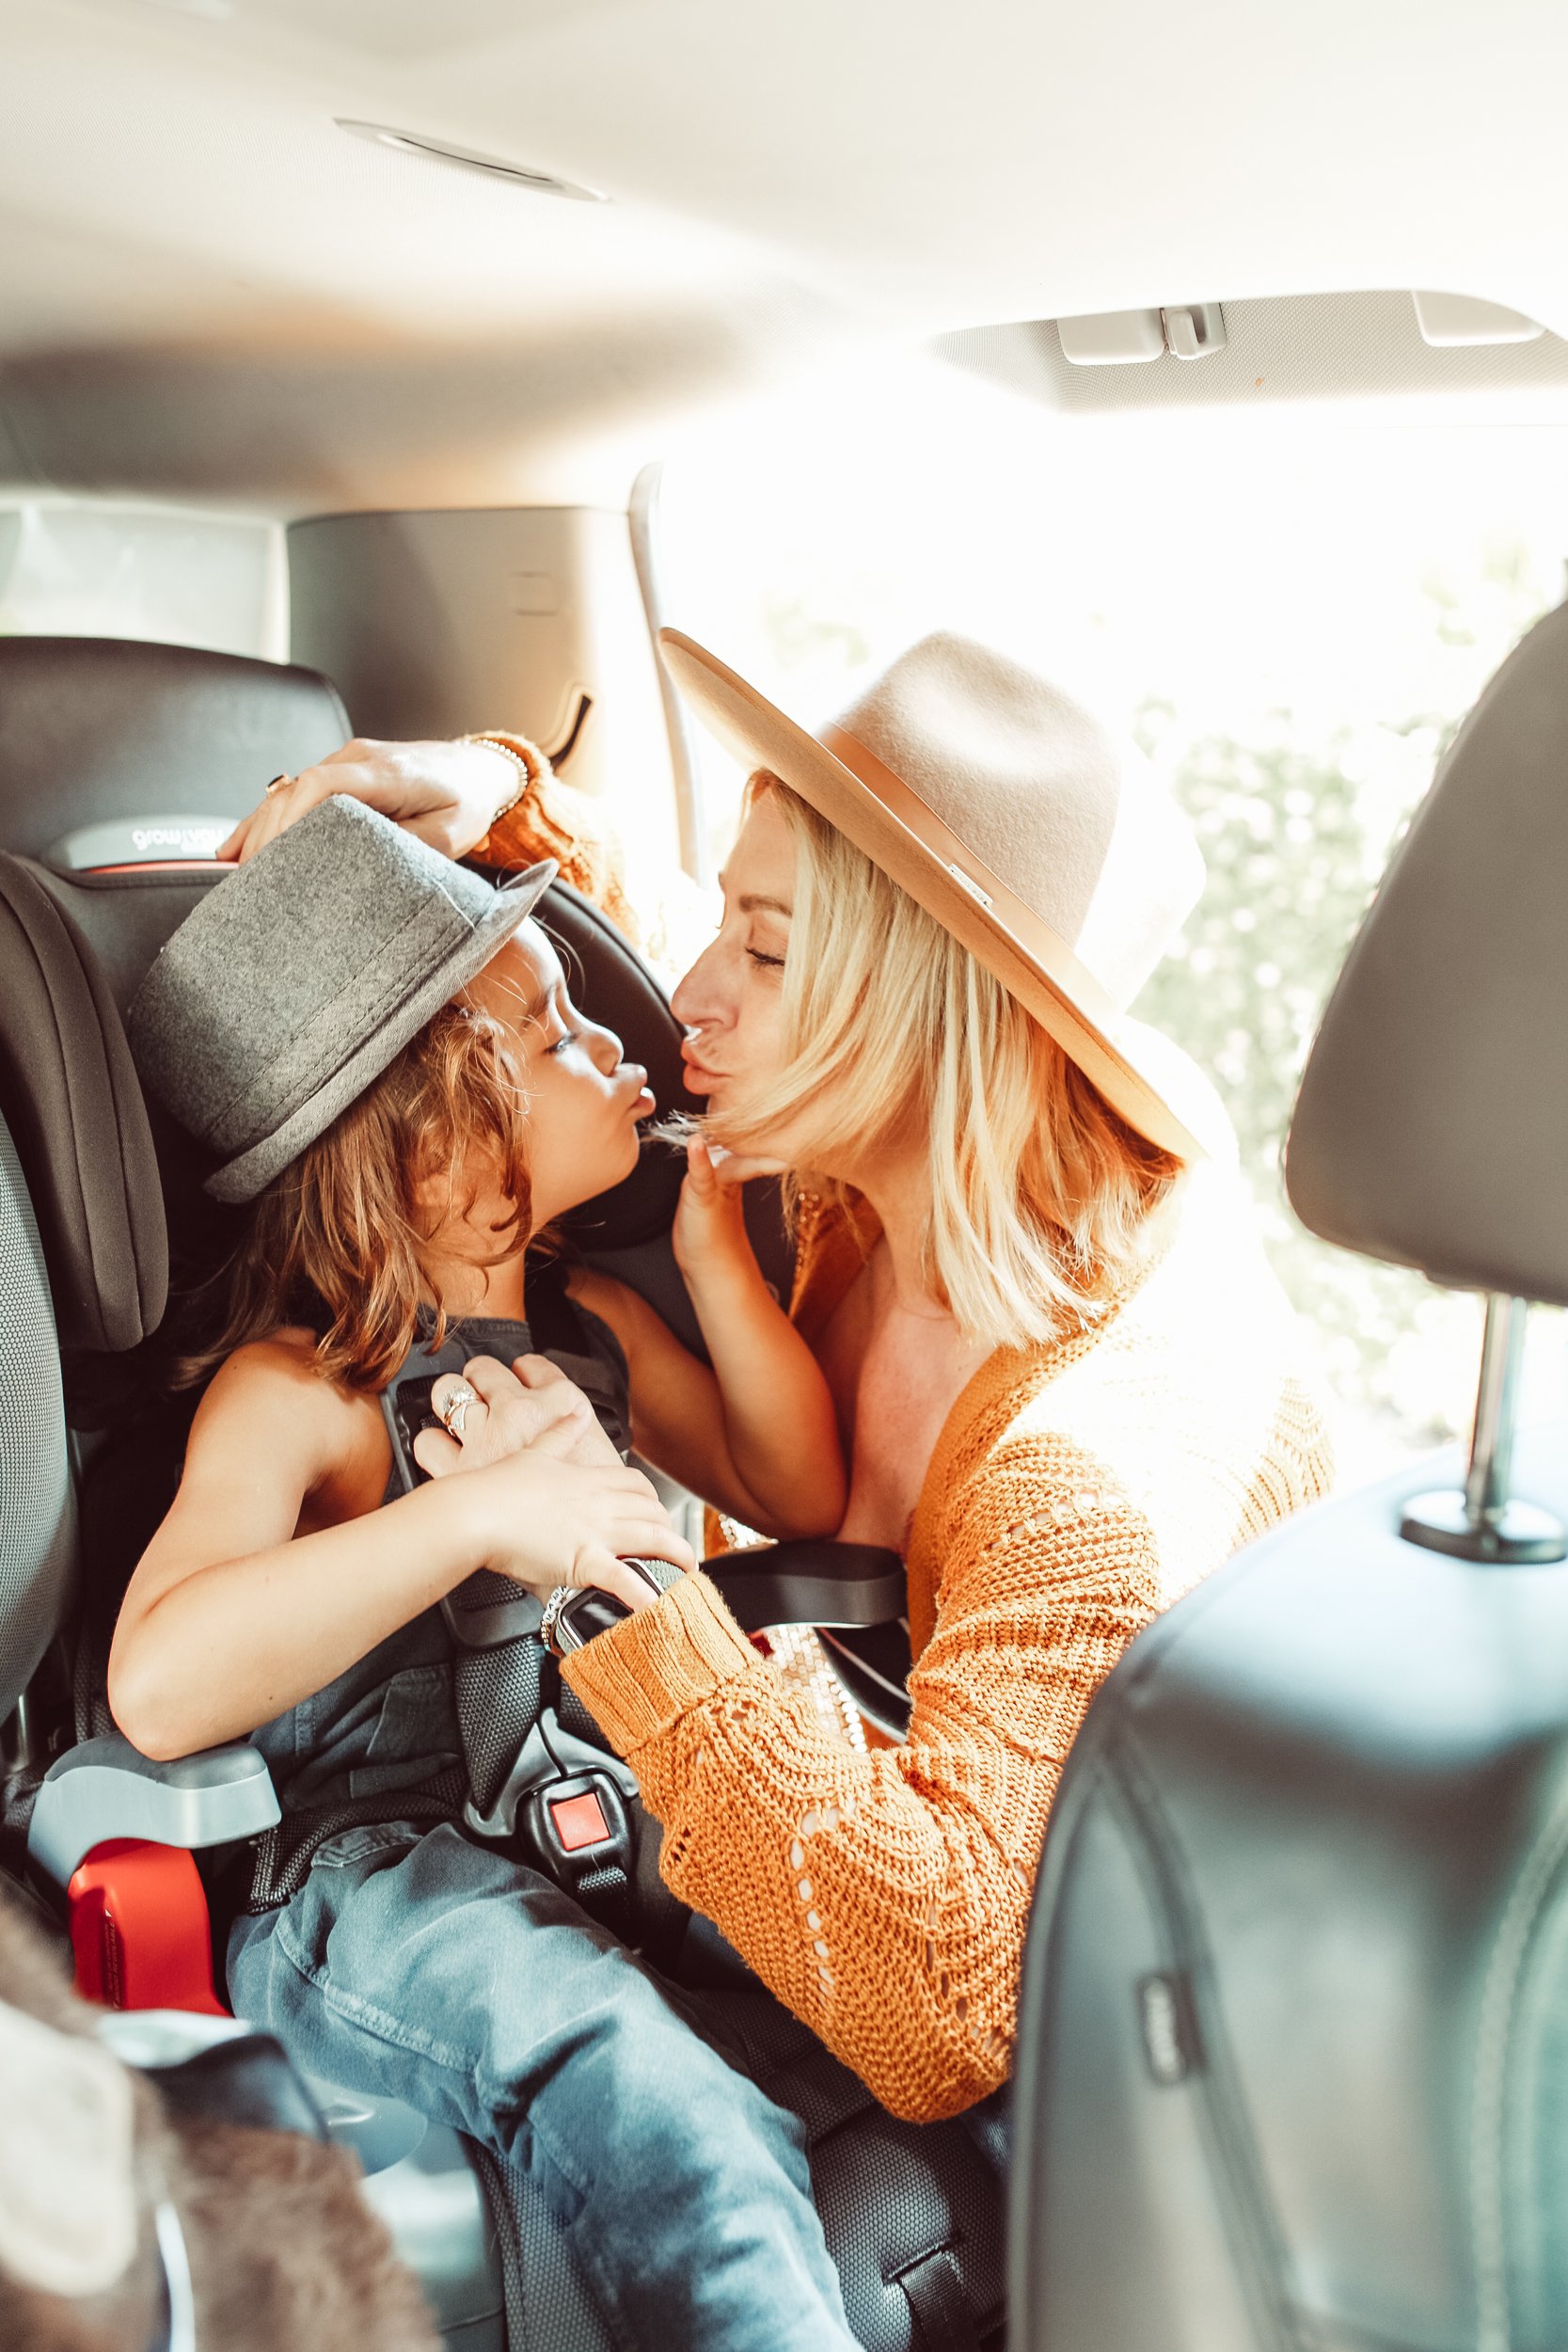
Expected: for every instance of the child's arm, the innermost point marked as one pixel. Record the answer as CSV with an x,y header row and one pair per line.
x,y
231,1616
757,1434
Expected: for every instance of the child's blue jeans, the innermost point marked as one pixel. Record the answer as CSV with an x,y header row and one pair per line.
x,y
420,1965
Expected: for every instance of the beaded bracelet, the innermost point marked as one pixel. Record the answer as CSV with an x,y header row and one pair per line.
x,y
529,771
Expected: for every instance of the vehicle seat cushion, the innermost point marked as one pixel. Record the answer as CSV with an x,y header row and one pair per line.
x,y
94,728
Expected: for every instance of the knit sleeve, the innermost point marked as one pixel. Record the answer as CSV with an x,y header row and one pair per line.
x,y
551,819
884,1897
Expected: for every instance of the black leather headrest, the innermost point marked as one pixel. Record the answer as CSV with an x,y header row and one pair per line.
x,y
93,728
611,983
1432,1126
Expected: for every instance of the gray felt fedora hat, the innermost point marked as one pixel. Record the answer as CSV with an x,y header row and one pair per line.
x,y
300,975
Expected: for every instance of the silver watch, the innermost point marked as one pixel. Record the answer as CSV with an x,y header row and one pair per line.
x,y
575,1612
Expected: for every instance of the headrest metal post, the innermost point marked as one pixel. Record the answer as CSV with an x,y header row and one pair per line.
x,y
1483,1523
1502,1361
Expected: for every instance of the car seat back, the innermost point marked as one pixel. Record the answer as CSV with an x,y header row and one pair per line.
x,y
121,765
108,732
1294,2013
37,1515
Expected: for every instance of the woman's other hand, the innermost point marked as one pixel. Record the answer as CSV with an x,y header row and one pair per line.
x,y
447,793
553,1500
533,1407
545,1521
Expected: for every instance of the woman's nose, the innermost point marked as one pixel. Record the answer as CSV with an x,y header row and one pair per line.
x,y
698,1000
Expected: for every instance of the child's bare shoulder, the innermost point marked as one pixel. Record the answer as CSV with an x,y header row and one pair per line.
x,y
270,1394
279,1375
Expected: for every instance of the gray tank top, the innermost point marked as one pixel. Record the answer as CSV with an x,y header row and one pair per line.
x,y
388,1725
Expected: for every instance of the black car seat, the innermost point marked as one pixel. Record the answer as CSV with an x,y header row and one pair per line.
x,y
913,2219
1295,2033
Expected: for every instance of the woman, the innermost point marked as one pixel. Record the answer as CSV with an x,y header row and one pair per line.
x,y
1065,1381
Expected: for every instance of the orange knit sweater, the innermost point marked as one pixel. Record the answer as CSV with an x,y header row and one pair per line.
x,y
1076,1489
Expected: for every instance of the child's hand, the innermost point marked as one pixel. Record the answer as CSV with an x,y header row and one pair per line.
x,y
709,1233
545,1522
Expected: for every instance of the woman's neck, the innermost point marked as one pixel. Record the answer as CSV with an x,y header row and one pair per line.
x,y
898,1189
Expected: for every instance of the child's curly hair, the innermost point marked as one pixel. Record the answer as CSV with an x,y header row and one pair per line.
x,y
341,1240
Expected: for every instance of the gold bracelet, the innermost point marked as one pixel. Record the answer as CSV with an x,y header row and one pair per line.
x,y
527,771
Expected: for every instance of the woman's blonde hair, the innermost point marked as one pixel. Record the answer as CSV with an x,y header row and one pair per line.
x,y
341,1240
895,1036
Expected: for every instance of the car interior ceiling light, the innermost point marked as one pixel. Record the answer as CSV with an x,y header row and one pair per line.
x,y
469,159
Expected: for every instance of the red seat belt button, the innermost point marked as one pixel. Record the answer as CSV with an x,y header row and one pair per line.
x,y
579,1821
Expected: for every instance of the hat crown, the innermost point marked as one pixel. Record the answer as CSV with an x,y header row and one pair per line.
x,y
1027,779
298,977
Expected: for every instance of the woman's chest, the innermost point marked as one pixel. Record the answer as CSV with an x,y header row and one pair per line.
x,y
895,1377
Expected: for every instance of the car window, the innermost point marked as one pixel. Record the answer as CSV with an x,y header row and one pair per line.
x,y
1291,612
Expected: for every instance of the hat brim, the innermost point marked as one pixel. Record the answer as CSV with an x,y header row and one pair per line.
x,y
242,1178
1142,1075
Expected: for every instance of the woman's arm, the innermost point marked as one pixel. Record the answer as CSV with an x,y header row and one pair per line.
x,y
884,1897
447,793
231,1616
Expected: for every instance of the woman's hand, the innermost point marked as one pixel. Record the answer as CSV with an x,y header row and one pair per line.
x,y
447,793
553,1500
532,1406
545,1521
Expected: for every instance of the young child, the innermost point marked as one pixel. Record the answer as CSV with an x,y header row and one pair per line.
x,y
381,1054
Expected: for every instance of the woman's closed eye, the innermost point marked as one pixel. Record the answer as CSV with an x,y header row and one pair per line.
x,y
769,964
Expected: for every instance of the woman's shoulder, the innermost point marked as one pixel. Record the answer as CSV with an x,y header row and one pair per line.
x,y
1196,1399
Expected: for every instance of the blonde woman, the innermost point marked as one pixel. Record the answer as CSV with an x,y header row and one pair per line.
x,y
1065,1383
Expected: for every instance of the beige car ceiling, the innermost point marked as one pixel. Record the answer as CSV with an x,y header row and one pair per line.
x,y
208,288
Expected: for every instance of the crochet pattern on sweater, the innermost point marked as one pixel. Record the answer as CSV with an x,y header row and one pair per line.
x,y
1076,1490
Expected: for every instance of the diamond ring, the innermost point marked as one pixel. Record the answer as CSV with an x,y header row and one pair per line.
x,y
453,1411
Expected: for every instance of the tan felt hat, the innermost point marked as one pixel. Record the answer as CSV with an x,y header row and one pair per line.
x,y
1009,815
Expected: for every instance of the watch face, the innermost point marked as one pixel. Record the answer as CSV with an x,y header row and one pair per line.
x,y
587,1612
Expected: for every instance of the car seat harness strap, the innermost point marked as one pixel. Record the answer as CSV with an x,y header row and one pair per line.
x,y
535,1776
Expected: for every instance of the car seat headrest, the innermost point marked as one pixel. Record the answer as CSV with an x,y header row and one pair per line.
x,y
108,1173
74,1105
612,984
1431,1124
111,754
98,729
